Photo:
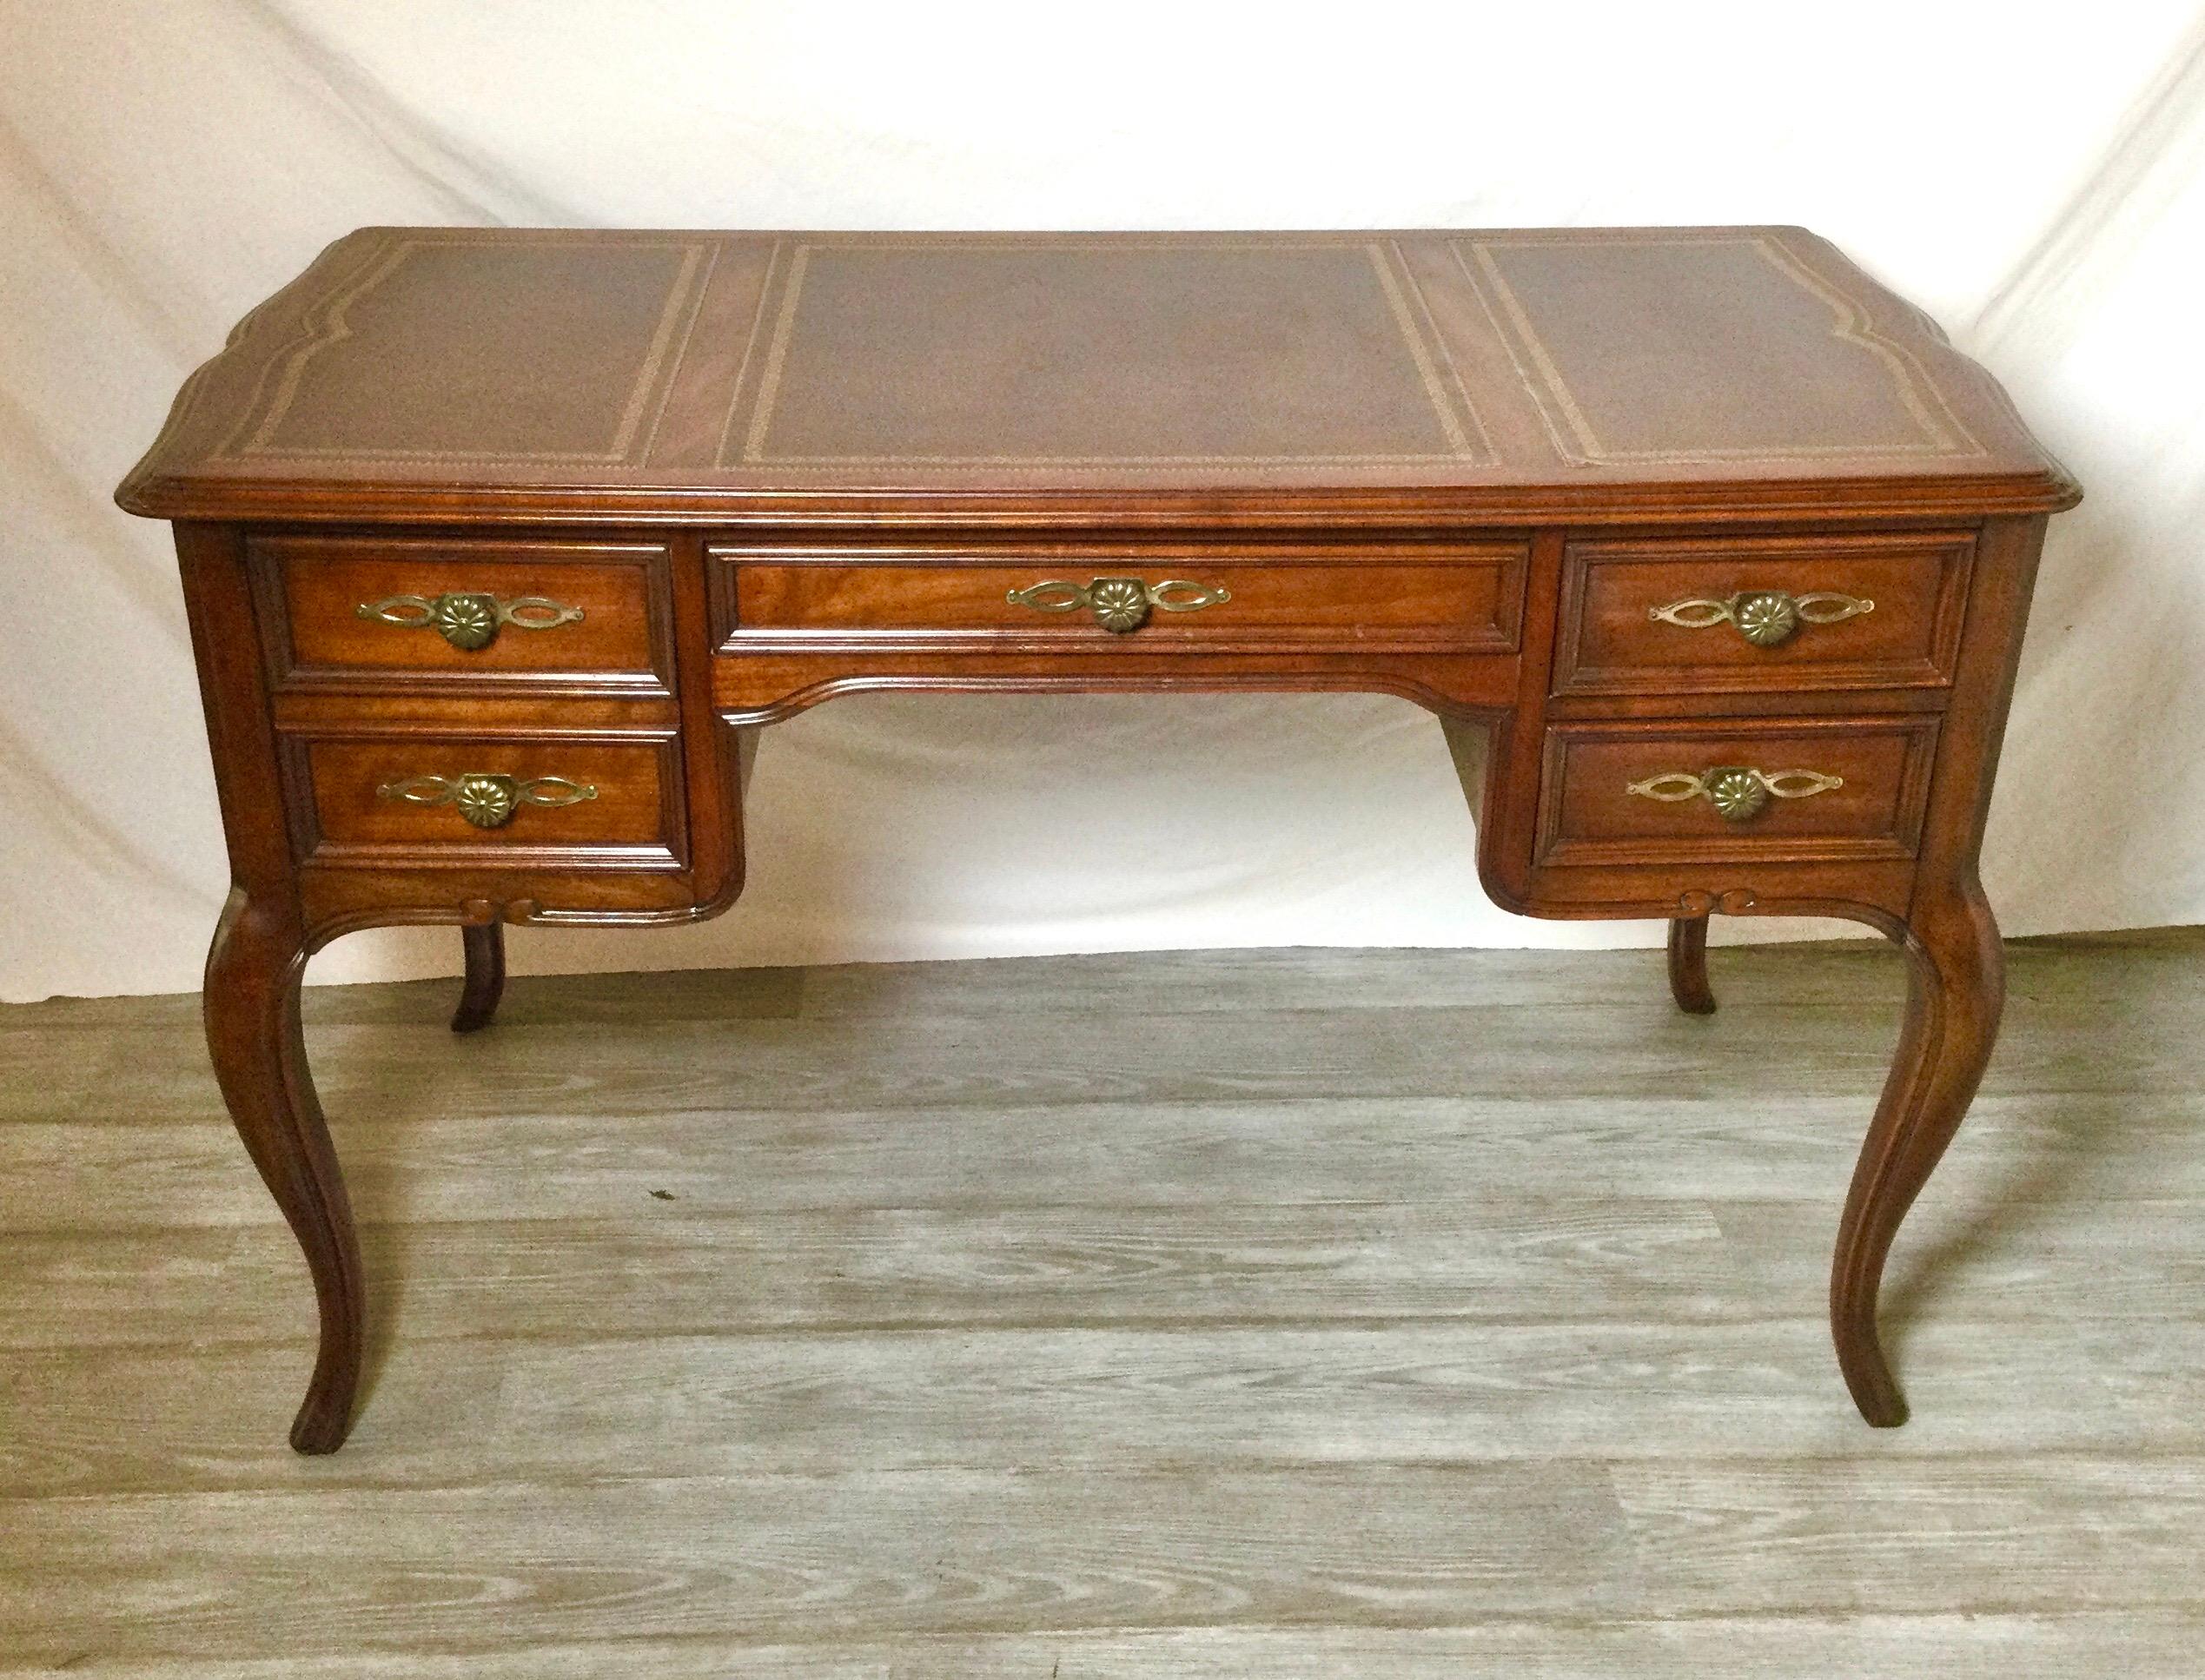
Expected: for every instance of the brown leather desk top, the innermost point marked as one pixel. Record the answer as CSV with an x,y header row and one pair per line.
x,y
519,374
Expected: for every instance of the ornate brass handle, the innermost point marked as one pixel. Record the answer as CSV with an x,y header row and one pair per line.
x,y
1120,604
1764,617
469,620
486,799
1736,791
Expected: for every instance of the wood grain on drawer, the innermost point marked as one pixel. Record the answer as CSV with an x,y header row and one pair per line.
x,y
1465,596
390,799
1891,605
573,616
1596,805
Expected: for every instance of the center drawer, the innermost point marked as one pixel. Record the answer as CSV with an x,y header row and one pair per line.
x,y
1465,597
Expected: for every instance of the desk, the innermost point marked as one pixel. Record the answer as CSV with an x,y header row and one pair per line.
x,y
500,547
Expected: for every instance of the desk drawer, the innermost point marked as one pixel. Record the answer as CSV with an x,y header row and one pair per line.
x,y
1459,597
420,798
1728,613
469,612
1794,790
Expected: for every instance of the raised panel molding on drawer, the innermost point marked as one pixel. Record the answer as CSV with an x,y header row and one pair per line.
x,y
416,799
1794,790
529,615
1719,614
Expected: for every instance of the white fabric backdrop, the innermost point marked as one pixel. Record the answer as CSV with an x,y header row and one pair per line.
x,y
164,163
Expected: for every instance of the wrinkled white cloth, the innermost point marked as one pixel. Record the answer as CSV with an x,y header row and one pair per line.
x,y
165,163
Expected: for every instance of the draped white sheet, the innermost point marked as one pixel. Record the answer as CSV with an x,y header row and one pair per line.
x,y
164,163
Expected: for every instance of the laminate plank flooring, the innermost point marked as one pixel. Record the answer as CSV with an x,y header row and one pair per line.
x,y
1385,1313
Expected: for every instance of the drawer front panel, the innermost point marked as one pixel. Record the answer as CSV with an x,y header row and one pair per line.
x,y
1701,613
590,616
1796,790
437,799
1464,597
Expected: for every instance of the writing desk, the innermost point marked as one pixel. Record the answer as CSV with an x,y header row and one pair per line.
x,y
500,547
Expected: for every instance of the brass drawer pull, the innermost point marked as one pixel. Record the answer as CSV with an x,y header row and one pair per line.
x,y
1736,791
486,800
1120,604
468,620
1764,617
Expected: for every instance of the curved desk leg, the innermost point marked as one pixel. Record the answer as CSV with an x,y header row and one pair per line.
x,y
252,1008
485,944
1956,990
1688,965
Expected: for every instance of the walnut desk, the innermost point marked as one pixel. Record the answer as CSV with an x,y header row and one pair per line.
x,y
500,547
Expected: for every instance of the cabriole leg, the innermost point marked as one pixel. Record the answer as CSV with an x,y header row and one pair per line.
x,y
1956,990
252,1010
1688,965
485,944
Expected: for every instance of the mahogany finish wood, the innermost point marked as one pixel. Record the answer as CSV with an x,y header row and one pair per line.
x,y
1474,469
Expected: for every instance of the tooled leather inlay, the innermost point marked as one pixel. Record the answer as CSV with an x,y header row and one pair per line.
x,y
385,366
1619,384
1073,352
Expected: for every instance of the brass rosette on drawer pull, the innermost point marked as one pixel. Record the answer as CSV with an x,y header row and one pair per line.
x,y
1121,606
1765,618
487,799
1738,792
470,619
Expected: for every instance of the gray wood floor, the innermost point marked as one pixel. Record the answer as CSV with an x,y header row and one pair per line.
x,y
1303,1313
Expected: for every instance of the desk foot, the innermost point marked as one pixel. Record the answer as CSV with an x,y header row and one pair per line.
x,y
485,944
1688,965
1956,990
252,1010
